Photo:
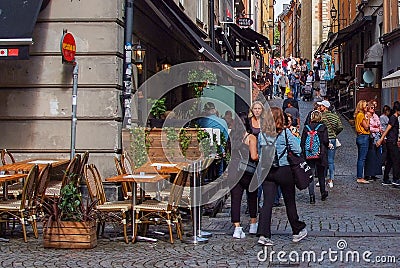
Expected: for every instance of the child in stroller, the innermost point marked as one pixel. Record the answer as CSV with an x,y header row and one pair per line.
x,y
307,92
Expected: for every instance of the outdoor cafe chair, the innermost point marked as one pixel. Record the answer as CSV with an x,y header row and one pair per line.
x,y
81,165
20,210
7,157
150,212
115,211
40,190
54,187
15,188
127,166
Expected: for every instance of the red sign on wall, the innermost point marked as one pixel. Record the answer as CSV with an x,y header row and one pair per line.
x,y
68,47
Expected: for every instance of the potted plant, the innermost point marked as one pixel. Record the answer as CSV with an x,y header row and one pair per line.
x,y
68,223
157,110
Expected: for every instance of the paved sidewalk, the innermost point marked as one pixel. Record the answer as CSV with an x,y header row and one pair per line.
x,y
355,220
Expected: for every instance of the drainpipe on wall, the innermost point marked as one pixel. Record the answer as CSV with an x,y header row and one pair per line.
x,y
282,37
126,95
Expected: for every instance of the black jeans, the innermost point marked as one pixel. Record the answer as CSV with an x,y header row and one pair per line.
x,y
236,198
281,176
392,161
319,172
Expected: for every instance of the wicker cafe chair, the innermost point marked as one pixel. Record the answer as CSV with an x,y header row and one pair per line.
x,y
7,157
21,209
149,211
40,190
127,166
15,188
81,165
106,211
118,166
54,187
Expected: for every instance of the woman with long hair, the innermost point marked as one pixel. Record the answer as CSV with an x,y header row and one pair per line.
x,y
362,128
256,114
373,163
280,174
384,119
245,146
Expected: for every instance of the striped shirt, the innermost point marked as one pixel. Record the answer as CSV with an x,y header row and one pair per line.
x,y
333,123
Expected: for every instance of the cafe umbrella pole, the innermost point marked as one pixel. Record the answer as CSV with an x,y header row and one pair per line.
x,y
74,106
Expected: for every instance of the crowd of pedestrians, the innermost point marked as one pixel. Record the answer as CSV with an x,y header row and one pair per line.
x,y
377,142
284,75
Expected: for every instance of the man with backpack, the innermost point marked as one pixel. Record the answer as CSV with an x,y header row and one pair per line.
x,y
314,146
334,125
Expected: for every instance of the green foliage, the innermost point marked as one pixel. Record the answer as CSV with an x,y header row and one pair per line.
x,y
158,107
140,145
198,79
172,138
184,140
70,203
204,139
69,206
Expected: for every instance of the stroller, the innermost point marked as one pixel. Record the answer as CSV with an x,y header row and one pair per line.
x,y
307,92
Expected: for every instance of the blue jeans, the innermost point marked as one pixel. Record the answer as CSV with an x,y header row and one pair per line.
x,y
331,159
362,145
296,89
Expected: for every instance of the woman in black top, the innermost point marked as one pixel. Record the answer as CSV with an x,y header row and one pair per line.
x,y
246,146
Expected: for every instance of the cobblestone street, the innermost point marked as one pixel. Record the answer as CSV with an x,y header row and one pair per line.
x,y
355,218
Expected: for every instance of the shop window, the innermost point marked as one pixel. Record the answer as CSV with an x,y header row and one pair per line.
x,y
200,11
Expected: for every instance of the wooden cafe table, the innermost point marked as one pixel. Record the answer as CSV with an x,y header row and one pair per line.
x,y
26,165
134,179
4,179
162,167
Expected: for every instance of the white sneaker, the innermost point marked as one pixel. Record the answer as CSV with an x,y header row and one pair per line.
x,y
300,236
265,241
253,228
317,184
238,233
330,183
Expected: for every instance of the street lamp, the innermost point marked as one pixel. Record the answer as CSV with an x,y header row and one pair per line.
x,y
138,55
333,12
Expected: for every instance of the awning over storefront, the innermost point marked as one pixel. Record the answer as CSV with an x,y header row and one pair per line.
x,y
392,80
221,35
321,48
250,37
374,54
18,19
347,33
170,13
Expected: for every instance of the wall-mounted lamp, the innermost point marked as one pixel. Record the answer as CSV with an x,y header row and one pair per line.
x,y
163,64
333,12
138,53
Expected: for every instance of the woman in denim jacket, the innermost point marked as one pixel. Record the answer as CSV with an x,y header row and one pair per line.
x,y
280,175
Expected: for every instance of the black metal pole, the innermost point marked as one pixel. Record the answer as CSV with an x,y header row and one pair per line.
x,y
211,22
127,75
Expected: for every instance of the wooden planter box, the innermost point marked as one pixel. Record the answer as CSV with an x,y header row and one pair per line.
x,y
70,235
157,153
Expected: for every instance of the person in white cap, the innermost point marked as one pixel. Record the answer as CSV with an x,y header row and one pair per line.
x,y
334,125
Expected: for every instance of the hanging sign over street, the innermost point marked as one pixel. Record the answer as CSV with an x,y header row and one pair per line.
x,y
244,22
68,47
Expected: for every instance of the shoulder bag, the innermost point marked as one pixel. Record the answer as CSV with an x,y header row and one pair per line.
x,y
301,171
246,164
